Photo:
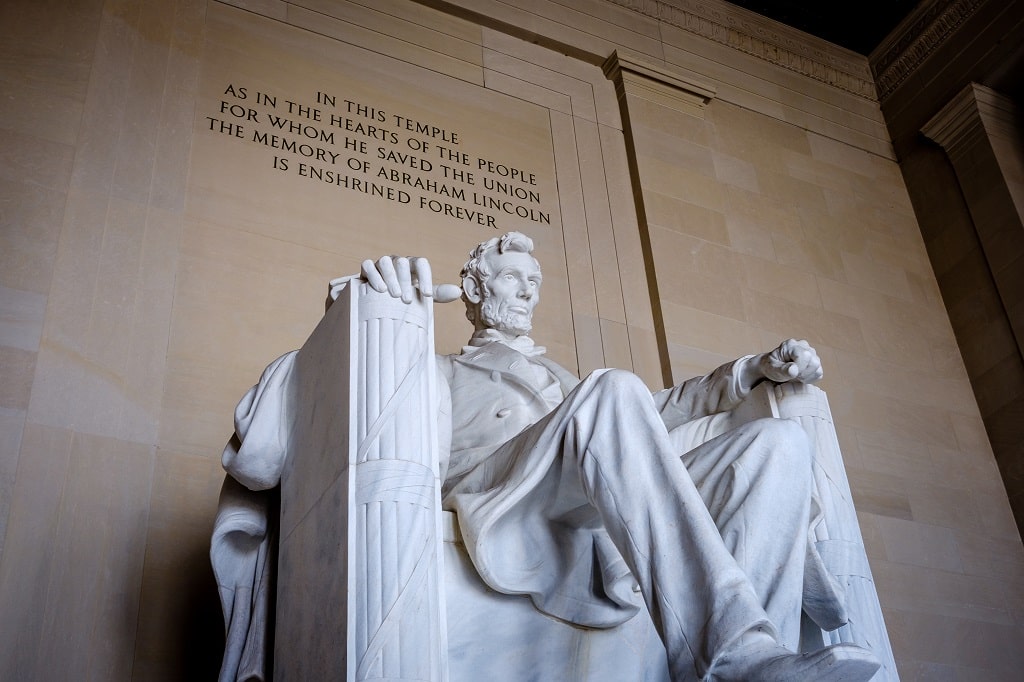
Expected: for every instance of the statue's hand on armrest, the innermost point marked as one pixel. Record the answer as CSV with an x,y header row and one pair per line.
x,y
792,361
401,277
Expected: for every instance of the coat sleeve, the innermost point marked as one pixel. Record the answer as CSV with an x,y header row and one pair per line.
x,y
701,396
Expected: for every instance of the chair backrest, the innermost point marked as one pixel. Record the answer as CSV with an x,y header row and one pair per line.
x,y
837,536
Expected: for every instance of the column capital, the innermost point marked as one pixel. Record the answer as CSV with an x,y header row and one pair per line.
x,y
974,110
658,83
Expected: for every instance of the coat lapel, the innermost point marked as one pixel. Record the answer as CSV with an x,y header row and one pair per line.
x,y
512,365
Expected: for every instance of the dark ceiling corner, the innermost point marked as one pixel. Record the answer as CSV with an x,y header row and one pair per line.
x,y
857,26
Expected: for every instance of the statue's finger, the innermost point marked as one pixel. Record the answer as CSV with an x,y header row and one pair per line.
x,y
426,282
386,266
812,371
446,293
372,275
404,273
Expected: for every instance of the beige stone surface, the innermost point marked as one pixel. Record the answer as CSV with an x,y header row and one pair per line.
x,y
180,624
150,267
12,425
762,230
29,223
73,553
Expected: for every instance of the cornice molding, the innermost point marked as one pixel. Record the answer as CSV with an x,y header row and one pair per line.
x,y
765,39
926,29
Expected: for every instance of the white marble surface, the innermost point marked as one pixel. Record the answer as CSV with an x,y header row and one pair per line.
x,y
494,636
583,530
359,584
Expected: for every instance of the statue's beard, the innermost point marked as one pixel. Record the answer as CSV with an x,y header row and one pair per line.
x,y
494,316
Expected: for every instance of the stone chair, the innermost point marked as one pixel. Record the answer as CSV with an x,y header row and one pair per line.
x,y
372,581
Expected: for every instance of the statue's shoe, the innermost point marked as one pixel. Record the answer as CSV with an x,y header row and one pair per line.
x,y
771,662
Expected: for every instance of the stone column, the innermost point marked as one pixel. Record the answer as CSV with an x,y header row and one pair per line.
x,y
980,132
979,129
638,81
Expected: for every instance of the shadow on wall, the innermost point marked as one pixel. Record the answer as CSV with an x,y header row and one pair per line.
x,y
189,616
200,639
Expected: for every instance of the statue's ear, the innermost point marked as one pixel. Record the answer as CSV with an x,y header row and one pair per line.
x,y
471,288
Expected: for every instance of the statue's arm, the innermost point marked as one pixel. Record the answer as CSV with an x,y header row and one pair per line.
x,y
724,388
718,391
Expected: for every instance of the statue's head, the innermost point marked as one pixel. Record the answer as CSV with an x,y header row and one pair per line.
x,y
501,284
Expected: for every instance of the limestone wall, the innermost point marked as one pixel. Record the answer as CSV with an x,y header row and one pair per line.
x,y
160,244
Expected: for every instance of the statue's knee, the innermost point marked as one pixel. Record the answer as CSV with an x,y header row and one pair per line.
x,y
787,439
621,383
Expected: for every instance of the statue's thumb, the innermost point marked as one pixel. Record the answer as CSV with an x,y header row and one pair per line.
x,y
446,293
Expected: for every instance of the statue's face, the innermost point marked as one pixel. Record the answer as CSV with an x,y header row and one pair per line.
x,y
511,292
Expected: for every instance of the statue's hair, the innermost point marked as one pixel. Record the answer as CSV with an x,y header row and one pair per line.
x,y
476,267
